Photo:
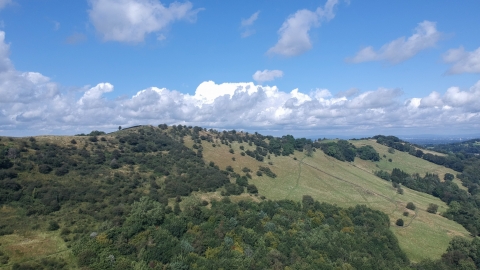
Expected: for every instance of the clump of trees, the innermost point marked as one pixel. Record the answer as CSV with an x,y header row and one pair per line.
x,y
244,235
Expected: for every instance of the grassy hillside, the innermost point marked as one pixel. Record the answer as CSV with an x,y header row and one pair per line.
x,y
92,181
348,184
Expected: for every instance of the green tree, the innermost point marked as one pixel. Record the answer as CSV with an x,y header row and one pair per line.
x,y
399,222
432,208
411,206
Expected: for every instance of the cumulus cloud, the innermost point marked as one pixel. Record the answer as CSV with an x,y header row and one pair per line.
x,y
462,61
267,75
294,34
32,104
131,20
246,24
401,49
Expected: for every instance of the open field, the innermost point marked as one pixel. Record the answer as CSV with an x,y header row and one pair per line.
x,y
348,184
403,161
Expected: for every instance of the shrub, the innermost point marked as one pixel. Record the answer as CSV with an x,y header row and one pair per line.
x,y
53,226
252,189
432,208
448,177
399,222
44,168
259,173
406,214
411,206
61,171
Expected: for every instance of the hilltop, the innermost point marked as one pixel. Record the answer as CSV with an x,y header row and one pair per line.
x,y
59,190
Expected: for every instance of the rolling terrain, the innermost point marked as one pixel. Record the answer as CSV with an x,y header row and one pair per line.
x,y
49,210
348,184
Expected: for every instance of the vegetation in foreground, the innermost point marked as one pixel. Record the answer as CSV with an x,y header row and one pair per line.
x,y
85,190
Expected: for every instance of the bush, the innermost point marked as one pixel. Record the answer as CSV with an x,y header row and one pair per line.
x,y
61,171
411,206
53,226
432,208
399,222
448,177
252,189
44,168
406,214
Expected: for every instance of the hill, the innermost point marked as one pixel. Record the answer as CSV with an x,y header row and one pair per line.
x,y
59,193
348,184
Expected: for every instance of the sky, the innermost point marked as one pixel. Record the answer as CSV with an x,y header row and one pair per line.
x,y
308,68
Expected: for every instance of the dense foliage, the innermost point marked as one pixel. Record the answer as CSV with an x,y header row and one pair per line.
x,y
345,151
247,235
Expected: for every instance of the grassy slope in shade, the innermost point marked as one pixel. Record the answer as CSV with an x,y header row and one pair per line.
x,y
348,184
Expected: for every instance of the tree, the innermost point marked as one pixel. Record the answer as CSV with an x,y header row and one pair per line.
x,y
53,226
399,222
432,208
252,189
308,150
448,177
411,206
119,127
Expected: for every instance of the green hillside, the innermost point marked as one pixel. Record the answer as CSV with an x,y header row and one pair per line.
x,y
70,202
348,184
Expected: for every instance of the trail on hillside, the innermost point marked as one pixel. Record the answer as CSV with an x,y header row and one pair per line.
x,y
362,188
298,177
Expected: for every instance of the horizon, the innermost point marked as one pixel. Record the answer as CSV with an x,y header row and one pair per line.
x,y
333,67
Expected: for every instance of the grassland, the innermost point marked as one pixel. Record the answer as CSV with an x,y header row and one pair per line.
x,y
346,184
324,178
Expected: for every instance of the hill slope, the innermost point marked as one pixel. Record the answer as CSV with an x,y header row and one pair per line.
x,y
348,184
56,189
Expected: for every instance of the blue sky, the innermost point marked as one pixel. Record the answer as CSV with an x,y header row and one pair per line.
x,y
302,67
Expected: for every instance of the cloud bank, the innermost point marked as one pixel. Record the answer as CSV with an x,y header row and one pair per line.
x,y
401,49
131,20
294,34
32,104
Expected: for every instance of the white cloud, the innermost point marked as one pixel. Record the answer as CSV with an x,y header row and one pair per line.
x,y
250,20
4,3
267,75
294,33
401,49
462,61
132,20
32,104
247,23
